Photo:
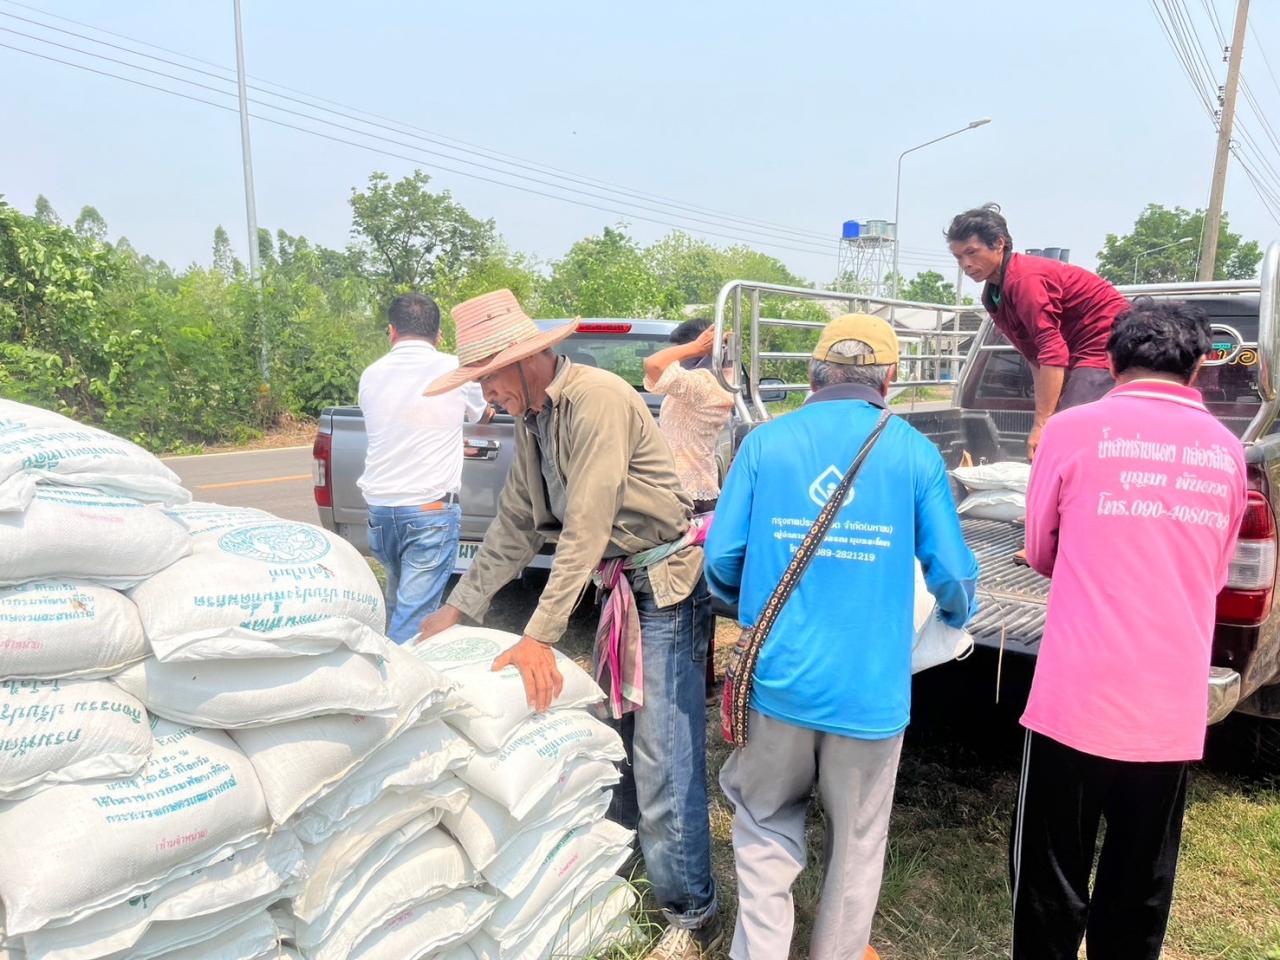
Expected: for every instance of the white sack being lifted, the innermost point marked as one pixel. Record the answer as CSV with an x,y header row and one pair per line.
x,y
78,533
66,731
37,446
494,704
263,588
53,629
78,848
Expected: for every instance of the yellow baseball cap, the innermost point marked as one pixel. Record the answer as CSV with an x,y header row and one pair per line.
x,y
872,331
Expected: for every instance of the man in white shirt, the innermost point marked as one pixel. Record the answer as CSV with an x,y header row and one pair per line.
x,y
413,468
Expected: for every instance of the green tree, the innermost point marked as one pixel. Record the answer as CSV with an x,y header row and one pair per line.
x,y
224,259
410,235
91,225
603,276
1164,246
929,287
691,269
45,213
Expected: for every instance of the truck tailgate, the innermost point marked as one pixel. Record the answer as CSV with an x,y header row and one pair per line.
x,y
1011,598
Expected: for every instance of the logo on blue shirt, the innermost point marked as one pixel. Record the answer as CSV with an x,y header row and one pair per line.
x,y
820,490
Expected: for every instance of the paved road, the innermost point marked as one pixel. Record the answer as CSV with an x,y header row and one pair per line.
x,y
275,480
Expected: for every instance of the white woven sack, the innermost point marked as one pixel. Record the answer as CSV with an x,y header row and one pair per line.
x,y
515,868
300,762
253,939
586,929
67,628
73,533
413,761
934,643
256,875
194,803
201,517
265,588
66,731
584,860
423,869
525,770
1008,475
286,922
436,929
1007,505
484,827
339,868
37,445
229,694
164,939
496,702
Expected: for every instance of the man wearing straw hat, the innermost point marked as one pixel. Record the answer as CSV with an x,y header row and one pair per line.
x,y
592,474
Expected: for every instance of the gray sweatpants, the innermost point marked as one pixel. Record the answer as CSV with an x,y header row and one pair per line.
x,y
769,783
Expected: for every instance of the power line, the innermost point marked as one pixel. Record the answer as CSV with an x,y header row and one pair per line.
x,y
439,139
400,156
1257,42
1270,201
400,127
760,236
757,234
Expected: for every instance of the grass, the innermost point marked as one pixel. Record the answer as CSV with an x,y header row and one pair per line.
x,y
945,895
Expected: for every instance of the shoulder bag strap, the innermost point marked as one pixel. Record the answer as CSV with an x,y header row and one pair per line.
x,y
813,539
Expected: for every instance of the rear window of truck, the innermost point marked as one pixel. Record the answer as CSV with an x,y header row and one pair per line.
x,y
620,353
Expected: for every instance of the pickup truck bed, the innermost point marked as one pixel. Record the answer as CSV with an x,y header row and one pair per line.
x,y
1012,597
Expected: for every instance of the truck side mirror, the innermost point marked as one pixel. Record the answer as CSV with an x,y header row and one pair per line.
x,y
771,396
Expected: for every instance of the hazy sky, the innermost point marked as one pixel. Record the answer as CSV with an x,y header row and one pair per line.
x,y
787,113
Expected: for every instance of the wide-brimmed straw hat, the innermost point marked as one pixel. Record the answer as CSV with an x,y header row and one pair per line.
x,y
494,332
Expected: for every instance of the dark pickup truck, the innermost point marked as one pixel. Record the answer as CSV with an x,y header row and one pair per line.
x,y
990,419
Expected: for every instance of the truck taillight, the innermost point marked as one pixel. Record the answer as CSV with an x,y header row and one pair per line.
x,y
322,469
1246,599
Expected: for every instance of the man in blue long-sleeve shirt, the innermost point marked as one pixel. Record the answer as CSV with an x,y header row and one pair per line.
x,y
832,688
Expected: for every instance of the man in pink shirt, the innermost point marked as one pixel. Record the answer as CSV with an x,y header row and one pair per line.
x,y
1132,509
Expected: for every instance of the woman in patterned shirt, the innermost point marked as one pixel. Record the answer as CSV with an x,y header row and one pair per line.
x,y
695,411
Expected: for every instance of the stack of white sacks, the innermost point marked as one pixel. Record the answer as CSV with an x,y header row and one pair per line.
x,y
228,761
996,491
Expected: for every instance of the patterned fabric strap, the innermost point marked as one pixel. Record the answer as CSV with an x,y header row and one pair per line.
x,y
742,665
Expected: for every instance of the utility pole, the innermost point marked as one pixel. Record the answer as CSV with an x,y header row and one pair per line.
x,y
1213,219
251,210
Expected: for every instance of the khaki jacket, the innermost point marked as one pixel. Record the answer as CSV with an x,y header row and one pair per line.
x,y
623,497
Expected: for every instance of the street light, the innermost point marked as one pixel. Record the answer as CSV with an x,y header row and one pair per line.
x,y
1156,250
897,191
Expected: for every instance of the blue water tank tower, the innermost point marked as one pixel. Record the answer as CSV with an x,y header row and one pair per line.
x,y
851,230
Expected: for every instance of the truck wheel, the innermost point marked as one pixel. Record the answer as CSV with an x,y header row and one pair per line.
x,y
1264,743
1246,745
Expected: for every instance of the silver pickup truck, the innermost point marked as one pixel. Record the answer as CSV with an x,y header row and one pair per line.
x,y
990,418
618,345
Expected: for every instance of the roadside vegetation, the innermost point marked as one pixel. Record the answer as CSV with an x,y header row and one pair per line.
x,y
177,358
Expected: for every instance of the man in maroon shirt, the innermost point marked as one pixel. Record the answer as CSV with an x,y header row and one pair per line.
x,y
1057,315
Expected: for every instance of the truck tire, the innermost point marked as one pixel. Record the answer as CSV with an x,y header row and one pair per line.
x,y
1246,745
1264,743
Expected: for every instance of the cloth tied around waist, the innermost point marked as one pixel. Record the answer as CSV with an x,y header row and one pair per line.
x,y
618,657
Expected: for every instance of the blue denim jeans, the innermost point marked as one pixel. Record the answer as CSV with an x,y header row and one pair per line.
x,y
663,793
417,548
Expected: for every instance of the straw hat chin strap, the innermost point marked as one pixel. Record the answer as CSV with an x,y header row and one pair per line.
x,y
524,385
